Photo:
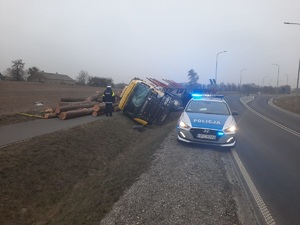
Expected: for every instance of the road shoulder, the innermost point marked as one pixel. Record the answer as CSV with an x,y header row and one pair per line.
x,y
187,184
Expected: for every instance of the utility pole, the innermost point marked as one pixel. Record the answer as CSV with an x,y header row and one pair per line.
x,y
297,88
241,76
277,72
217,65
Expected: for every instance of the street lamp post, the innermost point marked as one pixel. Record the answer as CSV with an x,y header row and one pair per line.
x,y
217,65
297,86
277,72
241,75
292,23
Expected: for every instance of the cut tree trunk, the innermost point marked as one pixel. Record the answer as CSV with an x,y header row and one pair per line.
x,y
99,107
97,113
75,113
50,115
75,106
70,103
49,110
95,97
72,99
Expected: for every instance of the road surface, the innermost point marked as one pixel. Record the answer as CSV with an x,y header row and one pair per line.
x,y
22,131
269,147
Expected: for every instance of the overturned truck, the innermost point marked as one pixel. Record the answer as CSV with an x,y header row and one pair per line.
x,y
150,103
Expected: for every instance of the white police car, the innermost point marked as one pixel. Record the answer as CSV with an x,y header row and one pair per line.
x,y
207,119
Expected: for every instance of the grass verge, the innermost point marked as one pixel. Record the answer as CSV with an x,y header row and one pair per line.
x,y
290,103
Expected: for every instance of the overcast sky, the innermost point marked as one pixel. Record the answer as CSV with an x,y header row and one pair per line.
x,y
123,39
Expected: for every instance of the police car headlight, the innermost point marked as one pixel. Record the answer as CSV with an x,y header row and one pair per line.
x,y
183,125
231,129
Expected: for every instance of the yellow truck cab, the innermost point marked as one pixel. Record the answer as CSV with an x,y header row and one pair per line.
x,y
147,104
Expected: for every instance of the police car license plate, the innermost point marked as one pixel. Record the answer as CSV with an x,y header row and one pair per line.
x,y
206,136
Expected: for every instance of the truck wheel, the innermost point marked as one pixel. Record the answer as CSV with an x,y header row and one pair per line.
x,y
177,103
163,118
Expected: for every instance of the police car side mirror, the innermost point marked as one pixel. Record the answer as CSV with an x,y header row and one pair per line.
x,y
235,113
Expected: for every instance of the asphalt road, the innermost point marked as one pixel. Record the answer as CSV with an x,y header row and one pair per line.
x,y
270,153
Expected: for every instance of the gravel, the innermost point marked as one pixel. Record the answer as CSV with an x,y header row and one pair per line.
x,y
187,184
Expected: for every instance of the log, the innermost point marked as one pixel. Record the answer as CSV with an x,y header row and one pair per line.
x,y
98,97
72,99
99,107
69,103
116,108
97,113
50,115
95,97
49,110
75,106
75,113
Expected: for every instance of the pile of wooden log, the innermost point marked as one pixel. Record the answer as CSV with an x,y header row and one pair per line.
x,y
69,108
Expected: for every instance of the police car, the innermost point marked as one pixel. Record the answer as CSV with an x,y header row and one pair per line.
x,y
207,119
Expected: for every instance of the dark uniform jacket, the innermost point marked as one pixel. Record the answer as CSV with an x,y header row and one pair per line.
x,y
109,96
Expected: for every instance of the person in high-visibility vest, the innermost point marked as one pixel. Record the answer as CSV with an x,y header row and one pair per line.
x,y
109,99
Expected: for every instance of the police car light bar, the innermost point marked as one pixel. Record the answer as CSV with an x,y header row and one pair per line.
x,y
206,95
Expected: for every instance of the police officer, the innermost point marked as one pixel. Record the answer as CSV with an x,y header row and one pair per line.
x,y
109,99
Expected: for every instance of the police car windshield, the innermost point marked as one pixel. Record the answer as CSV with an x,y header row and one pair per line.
x,y
207,107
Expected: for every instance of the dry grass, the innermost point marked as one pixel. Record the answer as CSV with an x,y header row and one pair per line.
x,y
72,176
291,103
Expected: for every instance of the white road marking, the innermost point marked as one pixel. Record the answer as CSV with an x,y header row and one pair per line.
x,y
245,101
258,199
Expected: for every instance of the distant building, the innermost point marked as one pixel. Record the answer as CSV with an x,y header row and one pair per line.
x,y
51,78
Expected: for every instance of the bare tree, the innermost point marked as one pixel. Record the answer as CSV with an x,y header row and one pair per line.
x,y
193,77
100,81
7,74
82,78
33,70
17,70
